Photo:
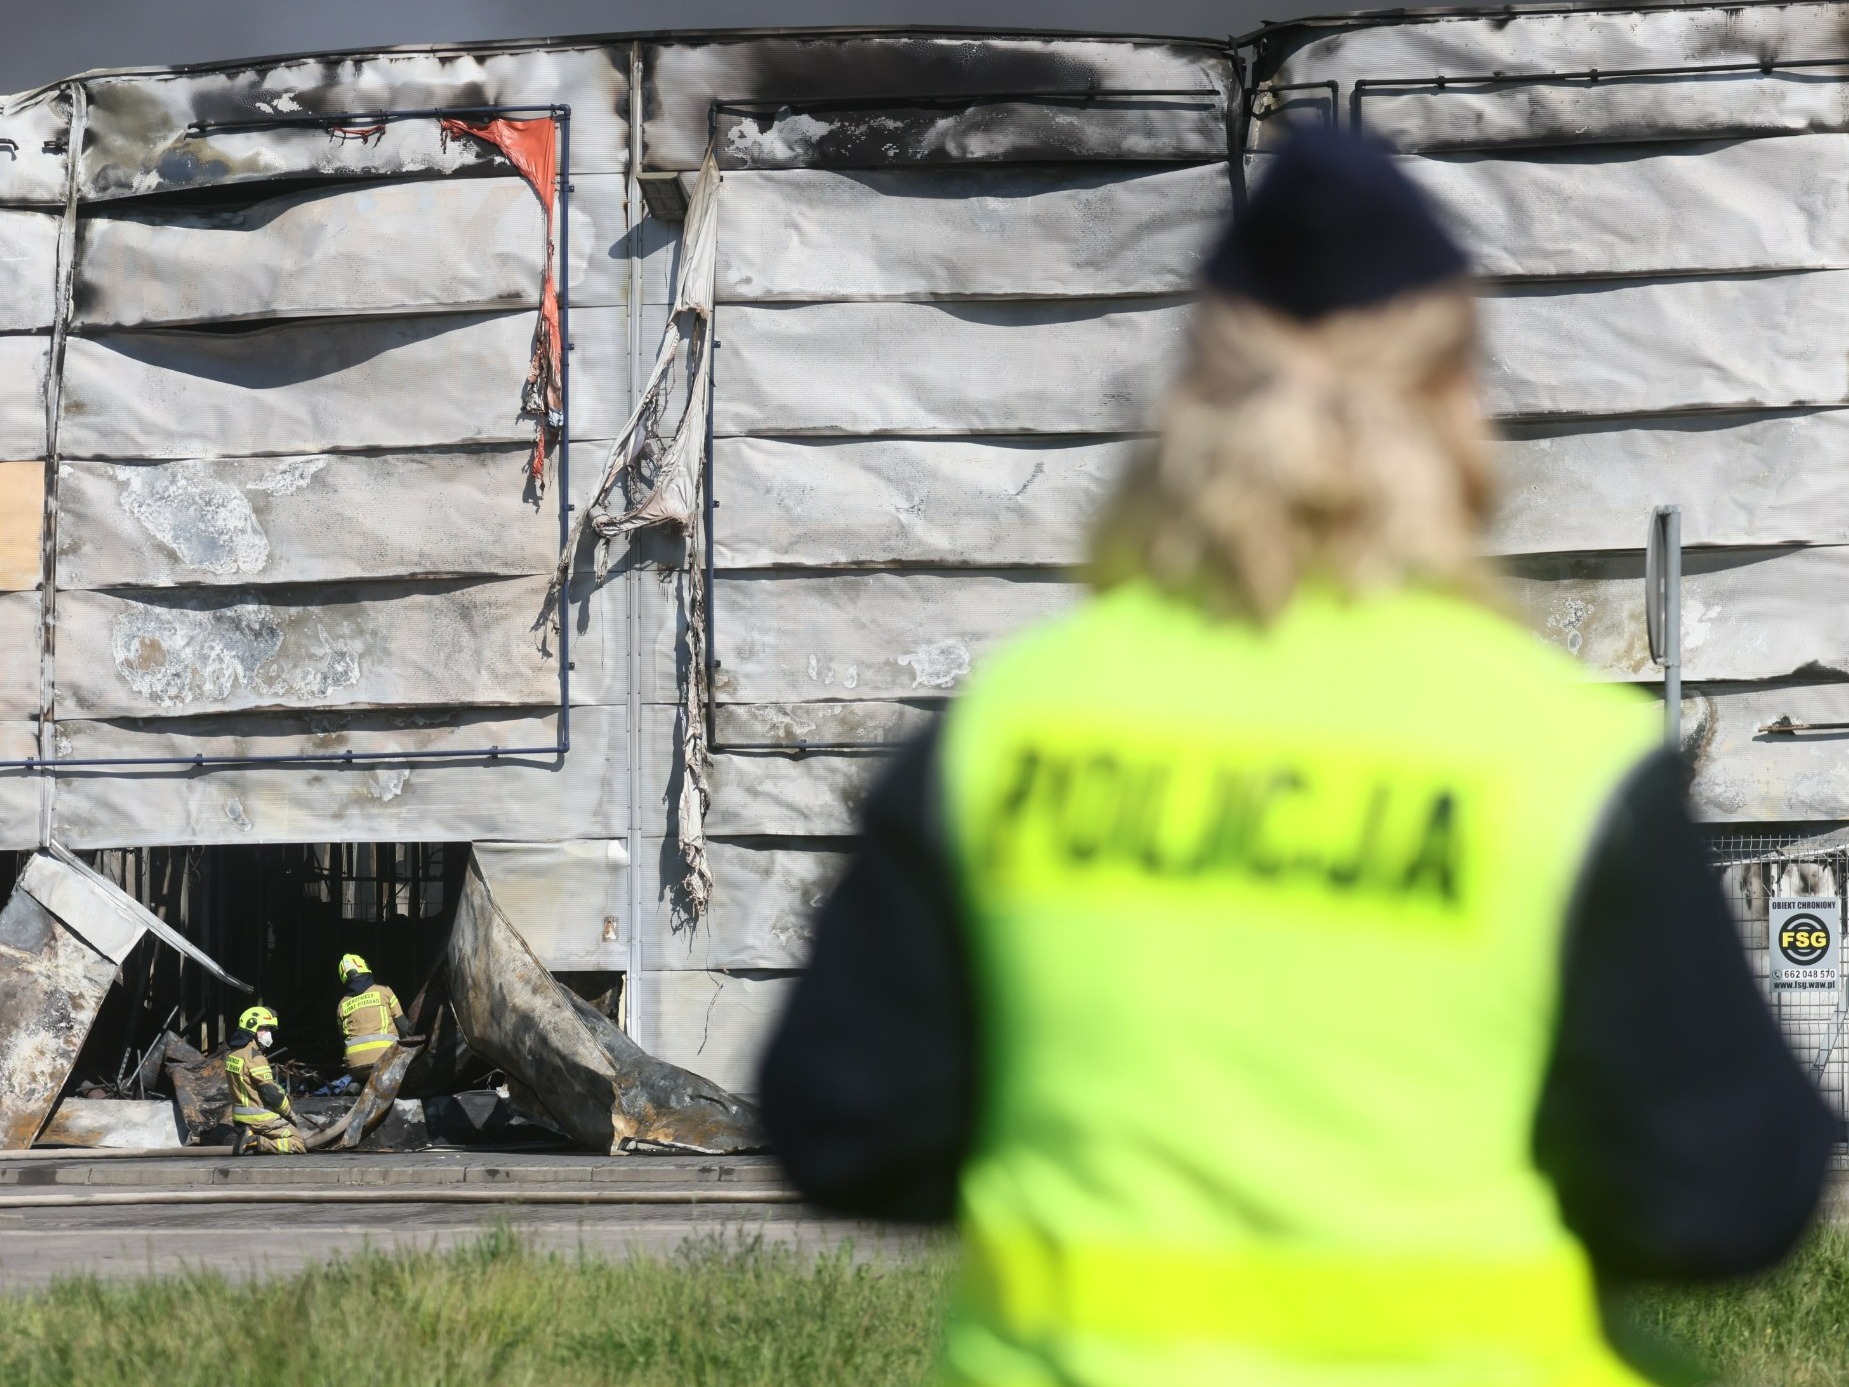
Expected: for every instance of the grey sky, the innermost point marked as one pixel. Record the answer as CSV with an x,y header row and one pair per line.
x,y
40,43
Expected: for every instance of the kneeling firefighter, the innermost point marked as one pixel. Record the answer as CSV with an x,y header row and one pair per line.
x,y
1285,968
370,1018
260,1107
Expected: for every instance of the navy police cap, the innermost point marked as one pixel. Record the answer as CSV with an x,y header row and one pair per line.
x,y
1333,225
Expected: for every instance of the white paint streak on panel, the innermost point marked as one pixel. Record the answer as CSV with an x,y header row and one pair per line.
x,y
297,520
906,635
714,1024
435,381
22,397
28,267
1679,209
964,502
216,650
1747,614
1007,367
467,243
513,798
1654,345
1015,232
1741,479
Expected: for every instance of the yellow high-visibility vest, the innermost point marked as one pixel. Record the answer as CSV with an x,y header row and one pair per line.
x,y
1265,933
366,1024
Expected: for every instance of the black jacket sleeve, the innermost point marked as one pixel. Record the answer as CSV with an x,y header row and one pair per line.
x,y
867,1089
1682,1137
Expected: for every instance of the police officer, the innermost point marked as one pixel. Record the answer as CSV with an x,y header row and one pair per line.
x,y
1284,968
260,1108
371,1021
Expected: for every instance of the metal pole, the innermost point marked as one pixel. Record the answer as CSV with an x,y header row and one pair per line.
x,y
633,1017
1671,519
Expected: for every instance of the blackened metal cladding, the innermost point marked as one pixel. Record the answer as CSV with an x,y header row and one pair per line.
x,y
598,1086
373,1105
51,984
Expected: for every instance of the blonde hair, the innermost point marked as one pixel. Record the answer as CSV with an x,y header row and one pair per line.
x,y
1349,449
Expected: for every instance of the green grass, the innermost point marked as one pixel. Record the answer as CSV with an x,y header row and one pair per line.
x,y
498,1313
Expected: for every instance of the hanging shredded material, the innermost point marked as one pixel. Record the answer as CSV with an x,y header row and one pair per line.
x,y
532,147
657,458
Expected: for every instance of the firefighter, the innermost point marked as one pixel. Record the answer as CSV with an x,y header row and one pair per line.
x,y
371,1021
260,1108
1283,967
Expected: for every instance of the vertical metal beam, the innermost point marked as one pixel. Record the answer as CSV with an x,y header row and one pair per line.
x,y
633,1018
1663,612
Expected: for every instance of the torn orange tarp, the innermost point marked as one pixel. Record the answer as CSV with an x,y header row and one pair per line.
x,y
532,146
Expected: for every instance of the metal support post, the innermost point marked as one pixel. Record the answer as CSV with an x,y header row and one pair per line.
x,y
1663,612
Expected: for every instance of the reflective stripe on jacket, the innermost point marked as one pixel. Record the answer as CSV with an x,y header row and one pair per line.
x,y
248,1070
1300,891
366,1023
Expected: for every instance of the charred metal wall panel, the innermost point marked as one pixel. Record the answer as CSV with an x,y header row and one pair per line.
x,y
1668,329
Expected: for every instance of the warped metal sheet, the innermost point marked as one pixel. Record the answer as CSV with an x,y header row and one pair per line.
x,y
873,636
22,522
999,367
1741,479
1743,775
139,138
28,267
812,795
568,900
51,987
379,248
34,132
685,78
1747,614
966,502
764,901
1012,232
594,1081
19,655
439,380
310,519
172,652
715,1024
508,798
22,396
1774,204
1656,345
795,725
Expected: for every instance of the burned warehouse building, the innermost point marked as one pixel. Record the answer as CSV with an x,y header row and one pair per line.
x,y
493,509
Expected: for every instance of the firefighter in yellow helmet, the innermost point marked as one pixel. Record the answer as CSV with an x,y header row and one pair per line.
x,y
371,1020
1284,968
260,1107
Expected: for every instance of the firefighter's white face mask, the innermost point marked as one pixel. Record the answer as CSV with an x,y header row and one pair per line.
x,y
266,1037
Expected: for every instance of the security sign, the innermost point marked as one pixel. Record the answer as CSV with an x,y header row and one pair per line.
x,y
1806,940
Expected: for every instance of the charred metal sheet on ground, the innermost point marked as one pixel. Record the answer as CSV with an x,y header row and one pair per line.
x,y
314,519
1050,231
592,1079
140,125
956,502
51,985
445,245
1032,366
685,77
373,1105
880,636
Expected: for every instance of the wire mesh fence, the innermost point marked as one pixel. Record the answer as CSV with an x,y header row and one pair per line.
x,y
1755,870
